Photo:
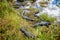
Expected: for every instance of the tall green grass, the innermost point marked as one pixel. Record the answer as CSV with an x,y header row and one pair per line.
x,y
10,23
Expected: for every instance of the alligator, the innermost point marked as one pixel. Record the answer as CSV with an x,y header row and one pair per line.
x,y
27,18
41,23
26,33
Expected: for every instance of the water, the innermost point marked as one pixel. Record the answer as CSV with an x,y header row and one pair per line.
x,y
51,9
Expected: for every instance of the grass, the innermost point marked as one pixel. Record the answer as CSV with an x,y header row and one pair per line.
x,y
11,21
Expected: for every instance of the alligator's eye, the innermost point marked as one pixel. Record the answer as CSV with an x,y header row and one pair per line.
x,y
59,3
